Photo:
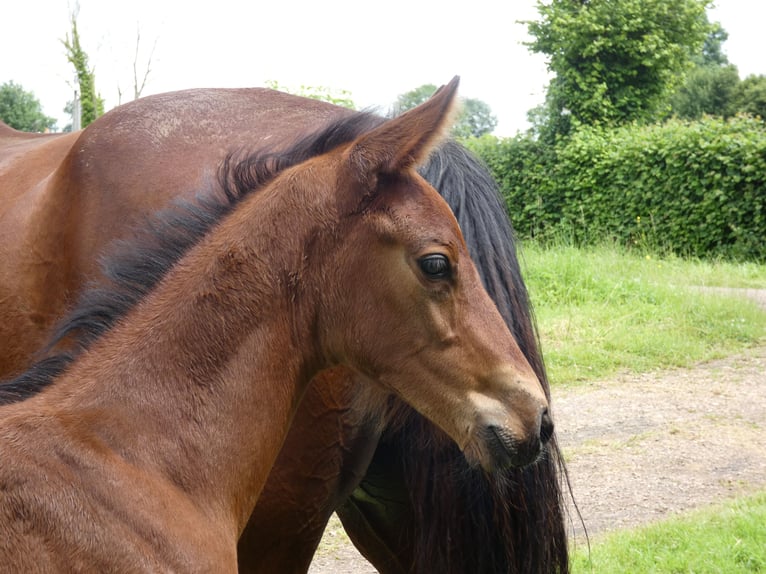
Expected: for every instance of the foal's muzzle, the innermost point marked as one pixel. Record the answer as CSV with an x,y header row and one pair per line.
x,y
508,450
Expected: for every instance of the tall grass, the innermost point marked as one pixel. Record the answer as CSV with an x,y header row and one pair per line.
x,y
605,309
728,539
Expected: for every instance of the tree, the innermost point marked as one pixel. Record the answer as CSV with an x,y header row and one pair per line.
x,y
616,61
414,98
708,90
21,109
139,85
69,109
139,88
712,49
750,96
475,119
322,93
91,104
709,86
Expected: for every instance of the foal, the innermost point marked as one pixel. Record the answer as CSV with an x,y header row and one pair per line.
x,y
145,454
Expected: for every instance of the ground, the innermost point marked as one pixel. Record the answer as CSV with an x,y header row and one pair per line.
x,y
643,447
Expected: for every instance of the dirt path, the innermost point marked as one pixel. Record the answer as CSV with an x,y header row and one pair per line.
x,y
643,447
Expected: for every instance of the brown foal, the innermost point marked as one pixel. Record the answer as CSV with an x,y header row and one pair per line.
x,y
149,451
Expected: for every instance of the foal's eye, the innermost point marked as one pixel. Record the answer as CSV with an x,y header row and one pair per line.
x,y
435,266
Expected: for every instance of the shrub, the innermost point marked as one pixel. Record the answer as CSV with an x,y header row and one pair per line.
x,y
693,188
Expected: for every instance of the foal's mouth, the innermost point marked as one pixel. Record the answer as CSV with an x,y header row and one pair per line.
x,y
506,451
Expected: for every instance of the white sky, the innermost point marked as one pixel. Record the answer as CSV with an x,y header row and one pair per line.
x,y
375,52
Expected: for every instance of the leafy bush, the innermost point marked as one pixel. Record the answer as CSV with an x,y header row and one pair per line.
x,y
694,188
520,167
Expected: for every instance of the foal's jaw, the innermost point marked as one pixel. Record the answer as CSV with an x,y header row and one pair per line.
x,y
460,368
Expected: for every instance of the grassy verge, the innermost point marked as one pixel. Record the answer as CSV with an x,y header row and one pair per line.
x,y
602,309
727,539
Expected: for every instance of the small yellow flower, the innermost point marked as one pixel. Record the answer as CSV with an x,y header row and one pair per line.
x,y
648,257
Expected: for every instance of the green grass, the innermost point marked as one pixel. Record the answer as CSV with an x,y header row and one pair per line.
x,y
334,538
727,539
603,309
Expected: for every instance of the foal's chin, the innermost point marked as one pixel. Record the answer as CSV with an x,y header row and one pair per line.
x,y
496,448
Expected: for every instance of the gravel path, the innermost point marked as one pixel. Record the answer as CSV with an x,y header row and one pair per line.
x,y
642,447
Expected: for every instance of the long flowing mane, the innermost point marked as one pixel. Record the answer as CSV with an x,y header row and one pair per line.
x,y
133,268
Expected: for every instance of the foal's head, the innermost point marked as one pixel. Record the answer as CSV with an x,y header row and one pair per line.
x,y
402,303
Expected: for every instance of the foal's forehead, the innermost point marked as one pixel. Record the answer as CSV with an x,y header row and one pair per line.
x,y
414,200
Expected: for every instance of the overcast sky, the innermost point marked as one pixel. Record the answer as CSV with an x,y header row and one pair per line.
x,y
375,52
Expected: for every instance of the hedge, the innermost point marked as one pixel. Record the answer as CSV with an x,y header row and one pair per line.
x,y
693,188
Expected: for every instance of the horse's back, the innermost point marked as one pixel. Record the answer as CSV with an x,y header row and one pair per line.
x,y
65,197
136,159
12,139
27,159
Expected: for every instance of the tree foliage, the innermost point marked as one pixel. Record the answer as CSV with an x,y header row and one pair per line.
x,y
21,109
709,86
338,97
708,90
91,104
750,96
475,119
616,61
712,48
713,86
414,97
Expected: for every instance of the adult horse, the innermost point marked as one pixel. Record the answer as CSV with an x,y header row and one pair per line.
x,y
66,196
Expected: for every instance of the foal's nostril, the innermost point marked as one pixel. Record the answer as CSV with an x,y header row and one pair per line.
x,y
546,427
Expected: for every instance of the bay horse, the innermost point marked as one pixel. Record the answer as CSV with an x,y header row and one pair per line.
x,y
147,447
400,494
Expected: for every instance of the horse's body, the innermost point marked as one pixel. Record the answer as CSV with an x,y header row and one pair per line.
x,y
70,195
147,447
64,198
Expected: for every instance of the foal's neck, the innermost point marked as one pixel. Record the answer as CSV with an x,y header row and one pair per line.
x,y
210,367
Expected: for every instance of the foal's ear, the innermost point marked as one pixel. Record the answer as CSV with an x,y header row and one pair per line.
x,y
405,141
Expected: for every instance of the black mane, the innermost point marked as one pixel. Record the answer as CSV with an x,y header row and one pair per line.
x,y
133,268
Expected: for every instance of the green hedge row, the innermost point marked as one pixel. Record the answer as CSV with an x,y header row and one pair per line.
x,y
694,188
